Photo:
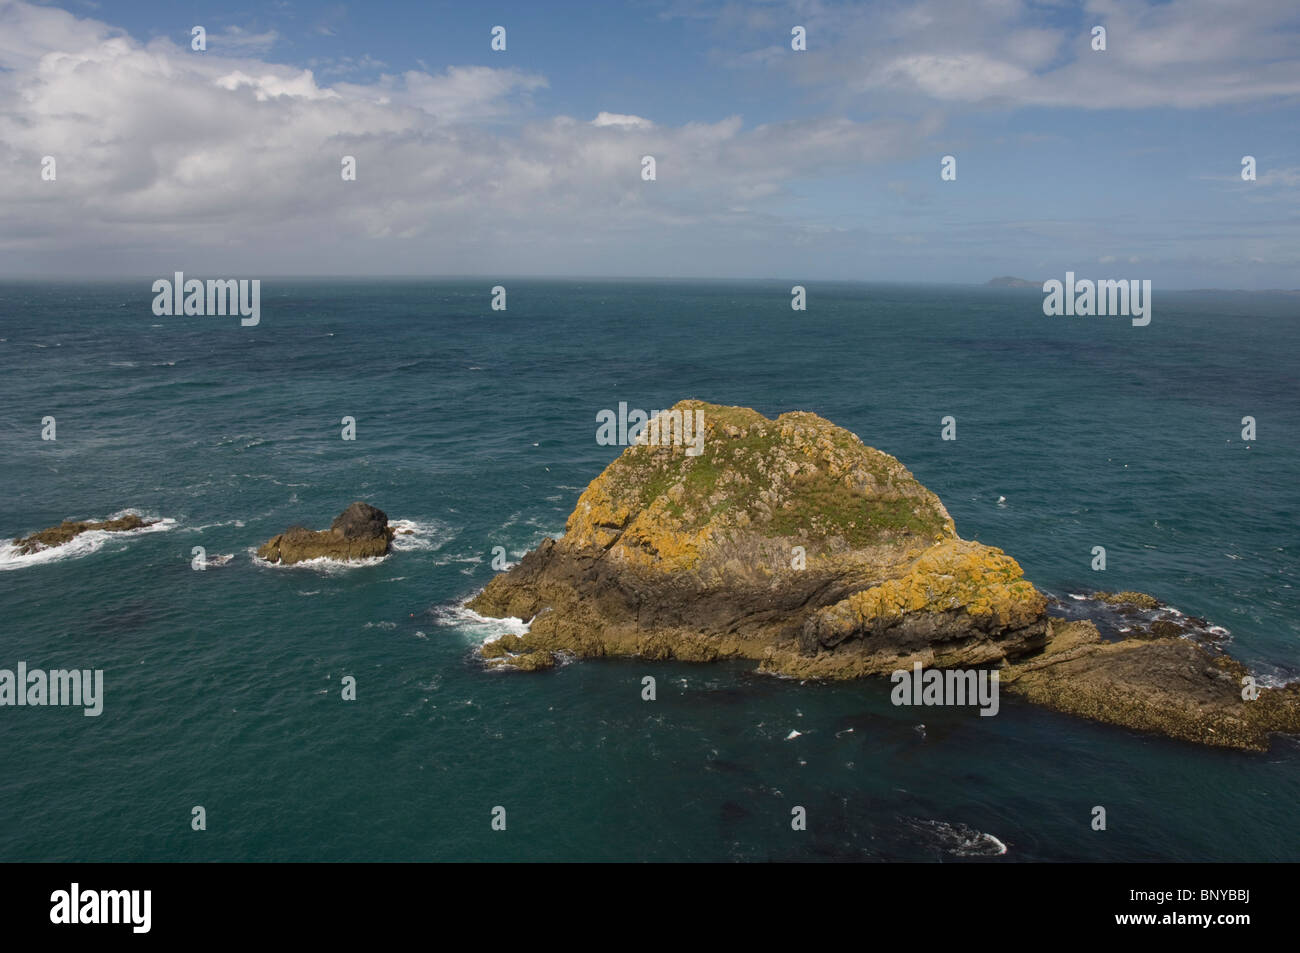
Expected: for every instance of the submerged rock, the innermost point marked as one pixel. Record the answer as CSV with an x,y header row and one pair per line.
x,y
68,530
359,532
1138,600
792,543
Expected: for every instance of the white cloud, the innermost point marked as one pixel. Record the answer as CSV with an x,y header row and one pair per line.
x,y
213,162
1288,177
624,121
165,155
270,85
1188,54
961,77
237,41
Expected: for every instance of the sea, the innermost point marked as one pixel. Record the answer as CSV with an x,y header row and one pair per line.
x,y
475,431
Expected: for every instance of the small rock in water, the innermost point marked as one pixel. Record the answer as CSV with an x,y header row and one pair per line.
x,y
359,532
68,530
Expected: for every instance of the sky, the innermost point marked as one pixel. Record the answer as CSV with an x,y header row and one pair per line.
x,y
770,162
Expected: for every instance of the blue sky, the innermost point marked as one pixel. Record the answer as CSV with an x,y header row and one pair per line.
x,y
771,163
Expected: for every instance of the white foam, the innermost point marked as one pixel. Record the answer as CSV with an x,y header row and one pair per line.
x,y
321,564
416,535
82,544
961,840
483,628
1271,680
199,529
448,560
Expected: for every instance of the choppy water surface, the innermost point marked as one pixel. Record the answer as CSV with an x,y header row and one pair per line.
x,y
477,428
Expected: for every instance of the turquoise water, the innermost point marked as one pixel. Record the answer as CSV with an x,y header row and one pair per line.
x,y
222,687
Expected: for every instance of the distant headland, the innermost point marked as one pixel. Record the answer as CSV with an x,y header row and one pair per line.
x,y
1006,281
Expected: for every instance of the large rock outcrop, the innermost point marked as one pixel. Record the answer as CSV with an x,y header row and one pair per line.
x,y
787,541
792,543
359,532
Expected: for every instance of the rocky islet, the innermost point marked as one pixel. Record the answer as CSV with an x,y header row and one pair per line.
x,y
360,532
69,530
792,543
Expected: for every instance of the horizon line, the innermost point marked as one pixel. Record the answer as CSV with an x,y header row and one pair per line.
x,y
48,279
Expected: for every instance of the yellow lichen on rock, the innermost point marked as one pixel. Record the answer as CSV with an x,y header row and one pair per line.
x,y
953,576
731,545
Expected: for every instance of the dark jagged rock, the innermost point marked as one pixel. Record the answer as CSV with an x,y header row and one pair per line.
x,y
360,521
359,532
